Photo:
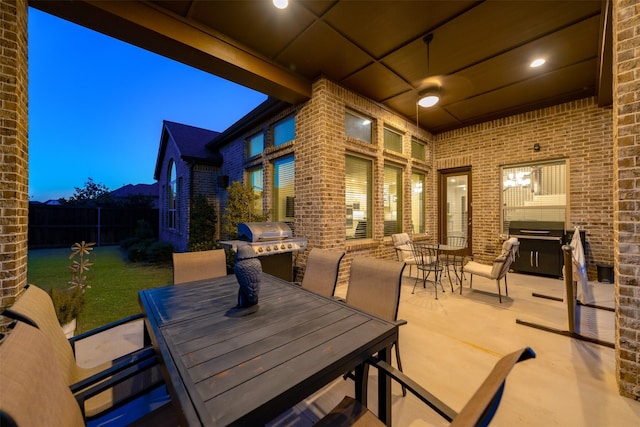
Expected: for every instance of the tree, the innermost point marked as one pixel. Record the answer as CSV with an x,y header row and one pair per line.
x,y
202,225
91,194
239,202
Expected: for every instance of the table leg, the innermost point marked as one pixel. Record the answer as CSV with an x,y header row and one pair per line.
x,y
361,382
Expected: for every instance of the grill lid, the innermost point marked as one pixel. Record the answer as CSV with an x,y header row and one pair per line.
x,y
263,231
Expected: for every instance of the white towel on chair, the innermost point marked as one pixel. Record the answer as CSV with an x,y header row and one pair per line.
x,y
579,265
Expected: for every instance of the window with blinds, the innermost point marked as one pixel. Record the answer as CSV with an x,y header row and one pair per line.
x,y
284,131
283,187
392,197
358,127
255,178
392,140
358,180
418,150
417,202
255,145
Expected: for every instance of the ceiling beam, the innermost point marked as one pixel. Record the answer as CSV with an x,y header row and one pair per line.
x,y
143,25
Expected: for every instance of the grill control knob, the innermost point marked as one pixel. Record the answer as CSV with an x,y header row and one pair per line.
x,y
275,247
268,248
282,246
289,246
259,250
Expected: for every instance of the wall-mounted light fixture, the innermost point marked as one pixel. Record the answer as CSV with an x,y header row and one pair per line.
x,y
536,147
429,97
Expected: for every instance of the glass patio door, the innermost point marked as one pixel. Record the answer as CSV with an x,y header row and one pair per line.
x,y
454,217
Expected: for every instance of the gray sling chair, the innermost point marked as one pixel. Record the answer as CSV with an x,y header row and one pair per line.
x,y
35,392
374,287
478,411
35,307
192,266
321,271
496,271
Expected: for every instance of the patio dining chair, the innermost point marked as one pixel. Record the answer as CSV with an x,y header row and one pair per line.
x,y
374,286
498,269
478,411
35,392
200,265
321,271
402,246
35,308
427,262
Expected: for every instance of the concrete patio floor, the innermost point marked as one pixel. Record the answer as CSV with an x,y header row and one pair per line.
x,y
450,344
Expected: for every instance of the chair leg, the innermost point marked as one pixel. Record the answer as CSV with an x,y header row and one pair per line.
x,y
397,345
499,293
506,289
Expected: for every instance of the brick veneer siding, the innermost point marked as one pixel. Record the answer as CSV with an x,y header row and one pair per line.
x,y
626,168
578,131
14,149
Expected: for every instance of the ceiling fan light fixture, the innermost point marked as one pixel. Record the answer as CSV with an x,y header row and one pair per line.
x,y
428,98
537,62
281,4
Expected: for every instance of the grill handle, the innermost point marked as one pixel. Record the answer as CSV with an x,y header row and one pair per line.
x,y
524,236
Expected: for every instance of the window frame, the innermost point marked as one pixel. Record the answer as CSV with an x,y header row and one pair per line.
x,y
389,130
252,144
279,125
368,121
353,207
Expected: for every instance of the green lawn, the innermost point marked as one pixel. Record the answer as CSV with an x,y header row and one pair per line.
x,y
114,281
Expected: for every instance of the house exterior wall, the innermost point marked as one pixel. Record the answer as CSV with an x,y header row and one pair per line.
x,y
579,131
178,236
14,149
626,196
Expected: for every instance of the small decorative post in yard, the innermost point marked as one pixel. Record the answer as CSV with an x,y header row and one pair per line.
x,y
69,303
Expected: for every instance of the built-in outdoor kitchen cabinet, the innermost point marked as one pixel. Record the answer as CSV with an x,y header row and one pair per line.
x,y
534,211
540,247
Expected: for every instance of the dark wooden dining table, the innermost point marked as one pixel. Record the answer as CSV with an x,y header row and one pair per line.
x,y
225,369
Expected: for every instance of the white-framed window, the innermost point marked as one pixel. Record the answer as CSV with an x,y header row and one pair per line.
x,y
358,191
417,202
172,197
358,127
392,140
284,131
283,190
418,150
256,177
392,200
255,144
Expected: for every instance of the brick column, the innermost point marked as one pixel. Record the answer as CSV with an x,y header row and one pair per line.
x,y
626,151
14,176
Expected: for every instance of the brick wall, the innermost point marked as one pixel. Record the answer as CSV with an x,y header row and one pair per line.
x,y
579,131
626,167
14,150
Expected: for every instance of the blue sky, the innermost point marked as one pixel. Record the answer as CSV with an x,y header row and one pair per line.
x,y
96,107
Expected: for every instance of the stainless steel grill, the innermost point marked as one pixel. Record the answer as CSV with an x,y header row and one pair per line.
x,y
274,244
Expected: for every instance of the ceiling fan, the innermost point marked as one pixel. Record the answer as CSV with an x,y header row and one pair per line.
x,y
429,96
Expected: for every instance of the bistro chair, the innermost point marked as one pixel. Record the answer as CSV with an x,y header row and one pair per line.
x,y
35,392
402,246
35,307
321,272
454,260
374,286
427,262
200,265
496,271
478,411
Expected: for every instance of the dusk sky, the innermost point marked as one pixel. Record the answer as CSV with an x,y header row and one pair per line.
x,y
96,107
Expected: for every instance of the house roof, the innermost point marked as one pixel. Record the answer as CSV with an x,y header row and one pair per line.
x,y
191,142
150,190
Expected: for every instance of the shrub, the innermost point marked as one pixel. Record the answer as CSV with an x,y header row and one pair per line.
x,y
68,303
160,252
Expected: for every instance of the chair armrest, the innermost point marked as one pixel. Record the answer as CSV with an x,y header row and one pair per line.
x,y
132,359
416,389
400,322
114,380
106,327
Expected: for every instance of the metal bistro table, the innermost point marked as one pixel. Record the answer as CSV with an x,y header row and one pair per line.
x,y
223,369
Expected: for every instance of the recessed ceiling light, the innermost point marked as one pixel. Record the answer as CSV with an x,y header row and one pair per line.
x,y
281,4
537,62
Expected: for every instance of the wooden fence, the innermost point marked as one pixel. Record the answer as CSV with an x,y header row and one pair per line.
x,y
61,226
